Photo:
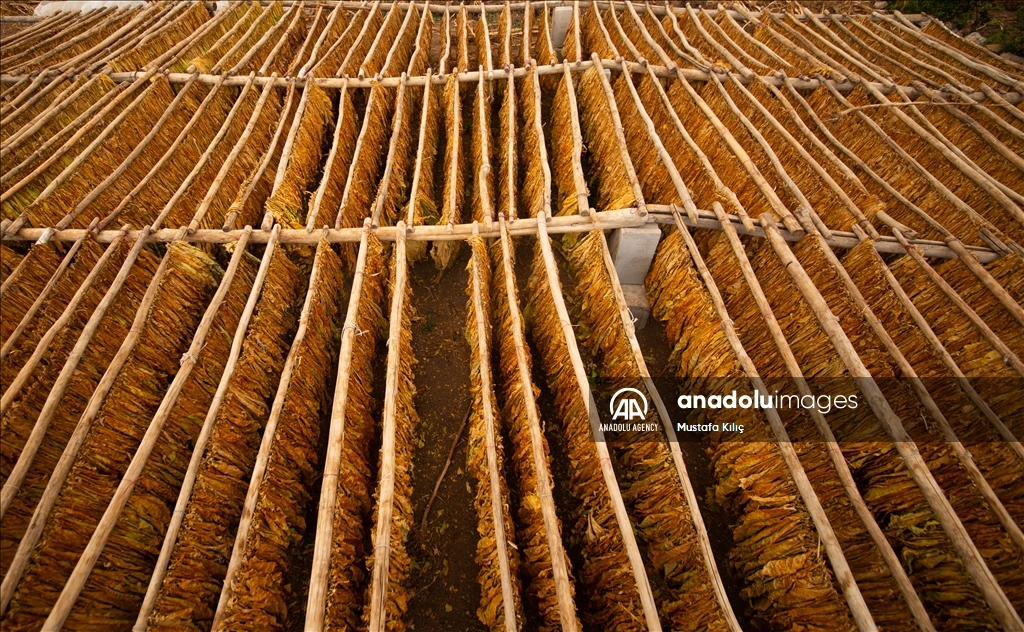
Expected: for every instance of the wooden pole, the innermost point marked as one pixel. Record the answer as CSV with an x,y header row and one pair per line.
x,y
643,585
67,458
833,549
707,554
239,549
43,295
490,437
185,493
1009,357
559,570
73,587
917,468
316,603
832,447
385,500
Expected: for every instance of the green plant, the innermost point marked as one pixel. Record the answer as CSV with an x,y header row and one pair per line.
x,y
959,12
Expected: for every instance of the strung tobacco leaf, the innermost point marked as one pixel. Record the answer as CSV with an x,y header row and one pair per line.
x,y
200,556
492,599
115,433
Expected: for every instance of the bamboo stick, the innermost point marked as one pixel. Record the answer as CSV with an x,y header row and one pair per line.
x,y
421,149
582,201
975,126
261,169
60,102
938,186
67,458
99,52
185,493
621,516
62,608
701,62
714,44
850,205
19,104
810,47
518,6
990,54
720,186
103,18
830,39
266,15
385,507
357,45
833,550
788,44
663,155
44,344
314,209
943,511
313,55
389,164
658,49
1001,100
295,26
887,45
207,154
761,46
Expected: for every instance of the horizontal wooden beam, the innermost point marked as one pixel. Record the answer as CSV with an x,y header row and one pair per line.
x,y
691,74
621,218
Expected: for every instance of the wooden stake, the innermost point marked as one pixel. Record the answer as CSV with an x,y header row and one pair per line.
x,y
67,458
490,436
699,528
263,457
833,549
43,295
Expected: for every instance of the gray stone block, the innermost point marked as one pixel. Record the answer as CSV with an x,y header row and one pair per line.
x,y
639,306
632,251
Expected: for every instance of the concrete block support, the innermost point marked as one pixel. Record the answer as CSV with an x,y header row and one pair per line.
x,y
632,252
639,306
560,18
